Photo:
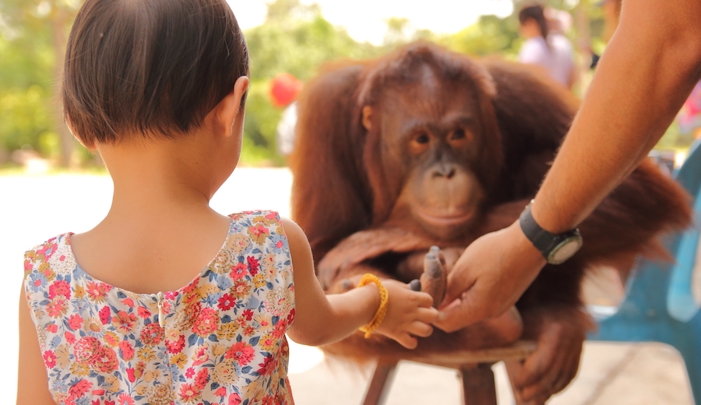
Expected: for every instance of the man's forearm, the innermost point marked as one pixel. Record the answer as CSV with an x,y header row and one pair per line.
x,y
640,84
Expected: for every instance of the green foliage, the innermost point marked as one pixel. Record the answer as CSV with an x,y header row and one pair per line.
x,y
294,39
25,86
488,36
299,47
675,139
24,120
259,145
30,40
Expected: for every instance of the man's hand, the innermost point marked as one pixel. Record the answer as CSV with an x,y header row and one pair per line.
x,y
489,277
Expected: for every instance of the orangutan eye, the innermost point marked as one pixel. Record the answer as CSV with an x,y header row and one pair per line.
x,y
458,134
422,139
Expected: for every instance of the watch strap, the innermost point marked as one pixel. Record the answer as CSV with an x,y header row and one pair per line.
x,y
543,240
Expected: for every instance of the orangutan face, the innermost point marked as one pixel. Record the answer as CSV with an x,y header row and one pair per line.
x,y
431,139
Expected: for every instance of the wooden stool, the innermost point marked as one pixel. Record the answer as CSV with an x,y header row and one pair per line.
x,y
474,366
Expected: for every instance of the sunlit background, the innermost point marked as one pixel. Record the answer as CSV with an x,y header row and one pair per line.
x,y
284,36
366,20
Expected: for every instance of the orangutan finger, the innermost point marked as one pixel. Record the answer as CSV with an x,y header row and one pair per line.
x,y
542,389
545,384
539,400
535,367
570,365
535,394
550,344
570,372
559,372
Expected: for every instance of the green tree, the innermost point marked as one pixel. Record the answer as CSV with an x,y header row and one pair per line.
x,y
298,42
488,36
294,39
32,46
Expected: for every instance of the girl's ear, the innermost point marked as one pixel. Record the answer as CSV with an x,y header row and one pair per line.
x,y
230,106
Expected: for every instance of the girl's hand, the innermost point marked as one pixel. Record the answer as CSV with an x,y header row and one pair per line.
x,y
409,314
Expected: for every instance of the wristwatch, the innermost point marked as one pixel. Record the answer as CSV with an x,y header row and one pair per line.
x,y
556,248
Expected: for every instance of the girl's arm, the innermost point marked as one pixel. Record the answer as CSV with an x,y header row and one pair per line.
x,y
32,382
321,319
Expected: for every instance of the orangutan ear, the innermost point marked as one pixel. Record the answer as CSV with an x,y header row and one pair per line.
x,y
367,115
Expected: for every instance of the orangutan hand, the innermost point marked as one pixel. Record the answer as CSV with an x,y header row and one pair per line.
x,y
559,335
364,245
490,276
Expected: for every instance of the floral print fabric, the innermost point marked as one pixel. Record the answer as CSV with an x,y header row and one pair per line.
x,y
223,335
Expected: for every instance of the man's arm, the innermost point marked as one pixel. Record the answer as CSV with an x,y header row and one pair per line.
x,y
648,70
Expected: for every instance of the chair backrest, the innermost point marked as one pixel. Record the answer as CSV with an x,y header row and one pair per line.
x,y
659,305
654,290
680,300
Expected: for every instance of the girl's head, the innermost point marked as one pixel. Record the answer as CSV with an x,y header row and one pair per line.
x,y
533,22
151,68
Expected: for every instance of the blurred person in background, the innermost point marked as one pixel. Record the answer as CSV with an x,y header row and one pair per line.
x,y
551,50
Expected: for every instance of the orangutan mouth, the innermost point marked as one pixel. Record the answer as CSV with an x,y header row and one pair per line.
x,y
445,220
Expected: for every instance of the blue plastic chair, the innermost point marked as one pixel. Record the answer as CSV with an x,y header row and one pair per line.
x,y
659,305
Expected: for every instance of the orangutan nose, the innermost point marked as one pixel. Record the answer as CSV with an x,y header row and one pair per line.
x,y
443,170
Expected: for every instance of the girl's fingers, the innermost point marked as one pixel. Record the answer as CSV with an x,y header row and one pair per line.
x,y
407,340
427,315
424,299
420,329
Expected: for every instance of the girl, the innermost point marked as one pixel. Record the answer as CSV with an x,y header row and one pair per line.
x,y
166,301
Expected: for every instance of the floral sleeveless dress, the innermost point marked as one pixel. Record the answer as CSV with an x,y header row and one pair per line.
x,y
218,340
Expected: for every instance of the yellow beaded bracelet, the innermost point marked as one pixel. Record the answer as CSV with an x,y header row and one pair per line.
x,y
382,310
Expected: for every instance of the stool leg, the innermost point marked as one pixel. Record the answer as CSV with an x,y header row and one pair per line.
x,y
380,383
478,385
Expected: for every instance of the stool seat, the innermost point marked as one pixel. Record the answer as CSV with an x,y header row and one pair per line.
x,y
457,359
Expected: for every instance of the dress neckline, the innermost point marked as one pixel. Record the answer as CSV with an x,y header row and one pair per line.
x,y
153,295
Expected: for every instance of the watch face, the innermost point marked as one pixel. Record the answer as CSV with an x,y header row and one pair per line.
x,y
565,250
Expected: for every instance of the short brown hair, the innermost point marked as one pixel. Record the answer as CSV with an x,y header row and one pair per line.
x,y
151,66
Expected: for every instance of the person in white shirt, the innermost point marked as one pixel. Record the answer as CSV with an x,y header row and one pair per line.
x,y
552,51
